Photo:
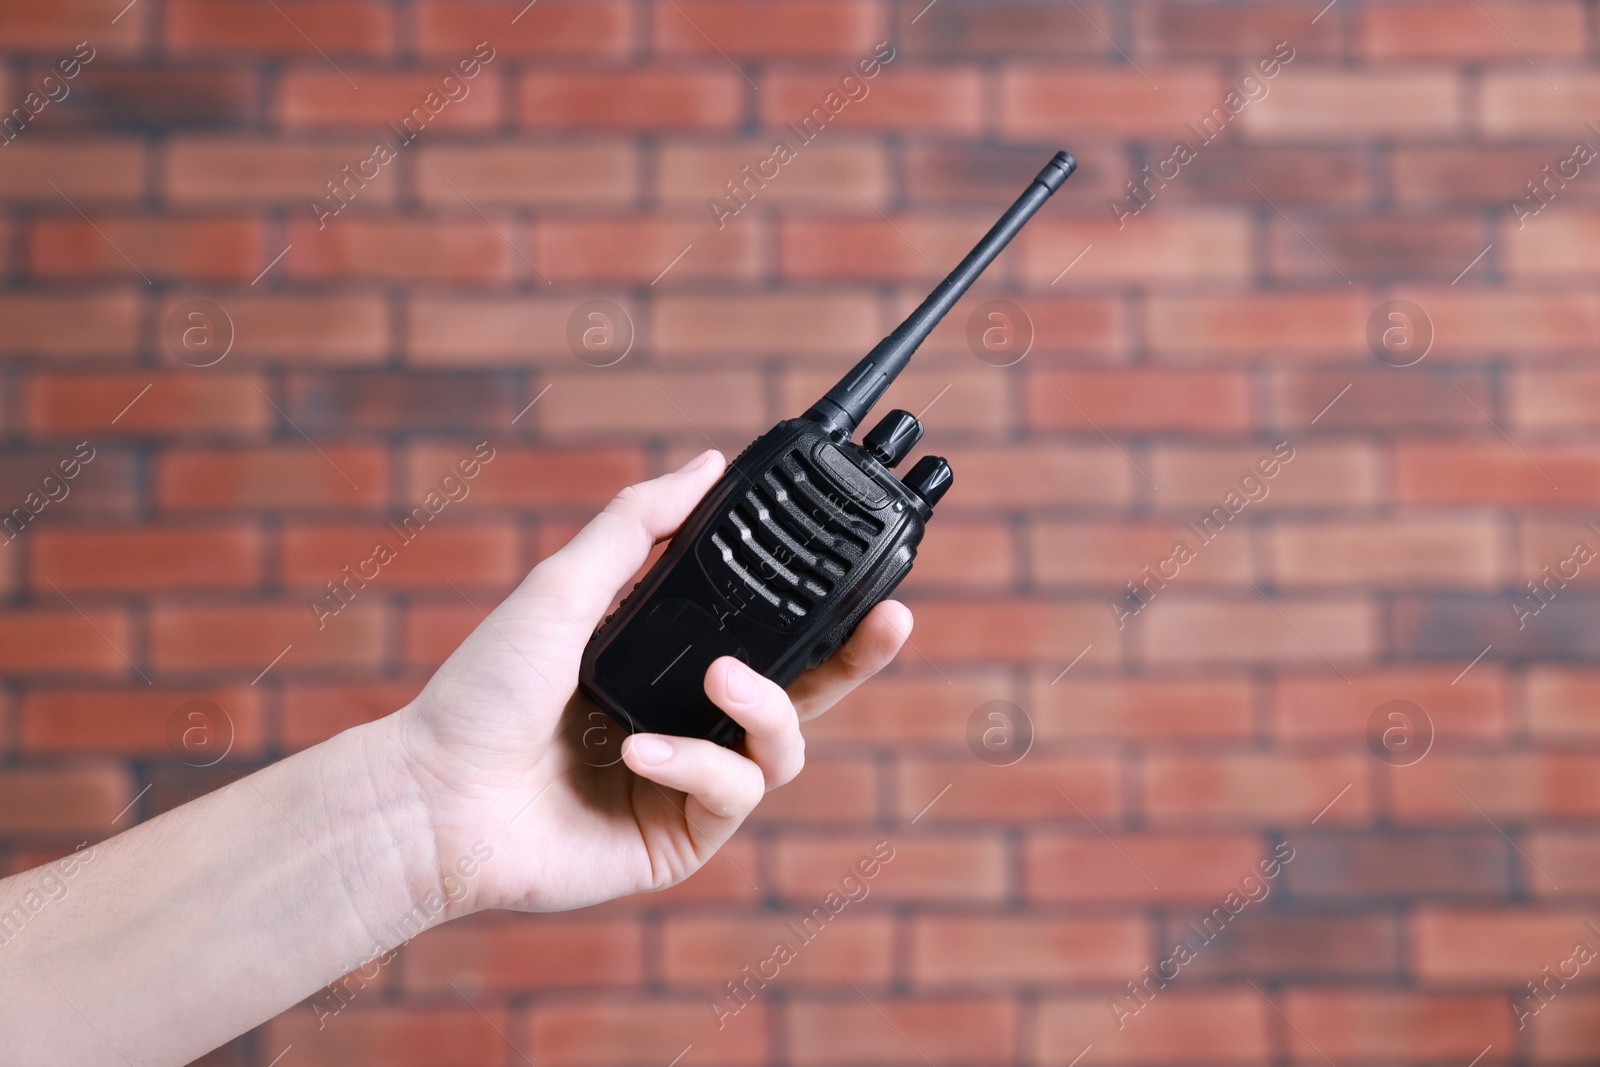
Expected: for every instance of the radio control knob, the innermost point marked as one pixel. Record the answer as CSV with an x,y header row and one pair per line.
x,y
894,437
930,478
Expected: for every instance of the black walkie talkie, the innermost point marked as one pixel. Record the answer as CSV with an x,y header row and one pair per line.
x,y
804,533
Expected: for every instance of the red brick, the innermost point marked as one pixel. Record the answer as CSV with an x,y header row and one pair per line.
x,y
1250,788
62,803
1566,857
110,169
1512,784
512,173
1195,479
160,97
1462,31
830,790
133,721
147,559
313,713
213,170
1229,1026
1245,32
616,403
1040,102
1438,552
451,29
60,26
290,476
1344,865
895,710
874,248
304,330
1013,631
828,326
967,399
80,405
432,631
821,175
367,1035
315,98
600,1033
501,952
481,554
58,640
1088,868
1322,705
403,250
1070,707
703,952
644,250
1208,245
1385,1024
476,331
647,98
1312,103
1038,476
948,99
881,1031
1480,174
1374,245
248,638
1564,248
923,868
1564,398
1517,104
1493,472
387,400
1276,326
518,477
1522,322
984,951
972,173
1038,787
1192,631
1368,400
1501,946
69,326
298,27
1110,554
1205,402
1008,29
1296,945
965,555
1567,1028
219,248
826,29
1560,701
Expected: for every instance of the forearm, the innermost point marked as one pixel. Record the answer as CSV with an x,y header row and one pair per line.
x,y
185,931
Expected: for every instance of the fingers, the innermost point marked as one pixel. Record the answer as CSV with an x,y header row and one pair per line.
x,y
771,727
875,642
584,575
723,786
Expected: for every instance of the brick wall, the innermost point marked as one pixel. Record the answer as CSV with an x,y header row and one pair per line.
x,y
1237,302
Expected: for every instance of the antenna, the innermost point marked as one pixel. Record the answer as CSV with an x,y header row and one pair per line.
x,y
847,403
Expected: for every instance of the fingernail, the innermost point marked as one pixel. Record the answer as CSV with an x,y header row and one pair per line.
x,y
697,462
742,685
650,749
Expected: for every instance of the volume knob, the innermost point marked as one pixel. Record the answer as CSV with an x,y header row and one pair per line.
x,y
893,437
930,478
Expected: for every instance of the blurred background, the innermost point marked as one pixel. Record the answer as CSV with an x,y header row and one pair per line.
x,y
238,340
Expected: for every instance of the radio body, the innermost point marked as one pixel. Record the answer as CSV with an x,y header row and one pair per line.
x,y
804,533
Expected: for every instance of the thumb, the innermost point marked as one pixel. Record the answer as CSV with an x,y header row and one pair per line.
x,y
583,576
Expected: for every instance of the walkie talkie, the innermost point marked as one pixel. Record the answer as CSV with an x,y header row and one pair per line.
x,y
803,534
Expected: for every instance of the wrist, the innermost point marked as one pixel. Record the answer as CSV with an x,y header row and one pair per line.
x,y
440,863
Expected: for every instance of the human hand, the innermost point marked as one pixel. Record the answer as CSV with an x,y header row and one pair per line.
x,y
496,741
